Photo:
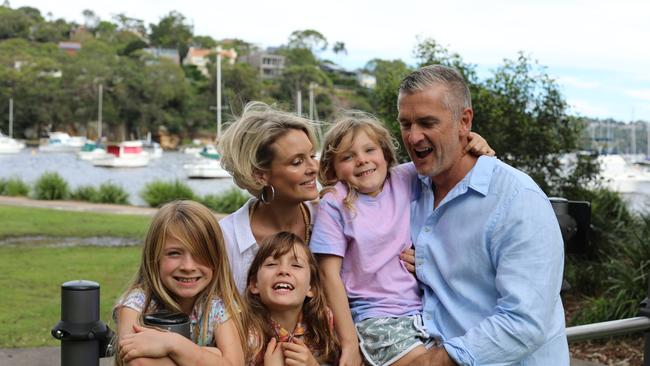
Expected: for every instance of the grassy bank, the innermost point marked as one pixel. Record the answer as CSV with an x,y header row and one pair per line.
x,y
22,221
31,276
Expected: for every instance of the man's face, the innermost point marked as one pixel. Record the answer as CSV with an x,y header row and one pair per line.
x,y
431,135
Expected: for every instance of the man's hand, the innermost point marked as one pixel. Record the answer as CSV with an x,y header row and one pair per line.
x,y
436,356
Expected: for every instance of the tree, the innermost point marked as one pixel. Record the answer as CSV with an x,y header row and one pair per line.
x,y
310,39
172,31
339,47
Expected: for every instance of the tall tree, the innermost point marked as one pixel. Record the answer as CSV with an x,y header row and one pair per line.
x,y
310,39
172,31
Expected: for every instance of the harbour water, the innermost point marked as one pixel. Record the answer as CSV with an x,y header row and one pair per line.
x,y
30,164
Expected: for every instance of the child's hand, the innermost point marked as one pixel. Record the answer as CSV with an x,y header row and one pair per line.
x,y
273,354
350,356
296,353
145,342
478,146
408,258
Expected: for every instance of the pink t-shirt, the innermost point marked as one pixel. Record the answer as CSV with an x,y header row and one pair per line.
x,y
370,239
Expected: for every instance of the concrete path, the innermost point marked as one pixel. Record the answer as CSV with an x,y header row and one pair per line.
x,y
81,206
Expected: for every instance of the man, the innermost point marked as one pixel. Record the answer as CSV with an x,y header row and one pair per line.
x,y
488,248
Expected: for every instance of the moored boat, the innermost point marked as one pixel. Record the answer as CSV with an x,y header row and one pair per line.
x,y
127,154
62,142
9,145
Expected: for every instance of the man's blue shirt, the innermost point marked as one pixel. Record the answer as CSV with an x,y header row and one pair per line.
x,y
490,258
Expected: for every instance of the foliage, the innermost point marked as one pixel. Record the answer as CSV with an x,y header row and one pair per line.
x,y
227,202
158,192
172,31
84,193
309,39
51,186
112,193
13,187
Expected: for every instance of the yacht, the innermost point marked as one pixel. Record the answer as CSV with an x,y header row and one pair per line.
x,y
9,145
622,177
62,142
127,154
207,164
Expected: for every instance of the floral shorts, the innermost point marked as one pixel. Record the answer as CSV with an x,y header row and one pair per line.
x,y
384,341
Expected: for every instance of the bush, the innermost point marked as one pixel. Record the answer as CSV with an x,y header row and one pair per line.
x,y
50,186
112,193
157,193
227,202
84,193
14,187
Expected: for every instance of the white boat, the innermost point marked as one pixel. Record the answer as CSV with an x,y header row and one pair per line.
x,y
622,177
9,145
205,168
153,149
91,151
127,154
62,142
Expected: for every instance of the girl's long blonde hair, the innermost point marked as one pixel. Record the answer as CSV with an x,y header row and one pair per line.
x,y
350,124
314,310
196,227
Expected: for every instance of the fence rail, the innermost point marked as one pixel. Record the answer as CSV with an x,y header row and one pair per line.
x,y
608,329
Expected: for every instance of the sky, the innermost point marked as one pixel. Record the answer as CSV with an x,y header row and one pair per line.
x,y
598,51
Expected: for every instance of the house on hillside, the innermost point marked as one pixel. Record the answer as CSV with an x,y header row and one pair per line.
x,y
269,64
71,48
199,58
165,53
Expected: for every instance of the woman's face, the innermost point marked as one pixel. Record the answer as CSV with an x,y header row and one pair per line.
x,y
294,169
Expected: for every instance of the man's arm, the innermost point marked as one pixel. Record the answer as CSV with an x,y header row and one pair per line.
x,y
528,255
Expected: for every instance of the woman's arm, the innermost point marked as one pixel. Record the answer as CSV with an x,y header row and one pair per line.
x,y
330,269
478,146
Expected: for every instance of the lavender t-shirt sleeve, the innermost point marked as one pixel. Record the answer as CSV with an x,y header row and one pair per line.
x,y
328,236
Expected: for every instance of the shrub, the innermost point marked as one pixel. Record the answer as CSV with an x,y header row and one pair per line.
x,y
157,193
227,202
3,184
14,187
84,193
50,186
112,193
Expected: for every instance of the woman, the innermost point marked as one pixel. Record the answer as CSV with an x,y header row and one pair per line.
x,y
271,154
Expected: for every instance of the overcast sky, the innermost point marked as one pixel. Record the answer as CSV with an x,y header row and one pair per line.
x,y
599,51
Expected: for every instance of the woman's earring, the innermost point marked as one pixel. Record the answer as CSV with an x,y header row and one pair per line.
x,y
263,197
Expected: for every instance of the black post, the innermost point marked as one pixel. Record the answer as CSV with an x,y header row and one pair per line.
x,y
81,332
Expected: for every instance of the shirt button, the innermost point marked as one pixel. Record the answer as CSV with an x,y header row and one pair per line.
x,y
427,229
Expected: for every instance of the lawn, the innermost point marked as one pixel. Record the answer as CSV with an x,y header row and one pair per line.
x,y
31,276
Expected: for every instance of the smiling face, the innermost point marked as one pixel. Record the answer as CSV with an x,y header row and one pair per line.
x,y
361,163
182,274
431,134
293,170
283,283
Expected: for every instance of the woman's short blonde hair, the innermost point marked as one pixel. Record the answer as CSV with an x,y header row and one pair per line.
x,y
245,147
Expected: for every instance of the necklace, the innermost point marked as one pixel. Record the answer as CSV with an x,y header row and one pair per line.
x,y
306,218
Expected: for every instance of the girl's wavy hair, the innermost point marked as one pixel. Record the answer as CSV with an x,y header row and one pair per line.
x,y
196,227
315,313
245,146
350,123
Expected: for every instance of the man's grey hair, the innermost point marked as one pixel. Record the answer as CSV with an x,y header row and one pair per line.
x,y
456,100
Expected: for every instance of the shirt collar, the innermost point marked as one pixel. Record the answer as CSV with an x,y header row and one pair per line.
x,y
477,179
243,231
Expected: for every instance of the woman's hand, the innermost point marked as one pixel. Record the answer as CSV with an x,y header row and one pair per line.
x,y
408,258
145,342
296,353
478,146
273,355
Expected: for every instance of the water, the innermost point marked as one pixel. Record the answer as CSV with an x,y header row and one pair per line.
x,y
30,164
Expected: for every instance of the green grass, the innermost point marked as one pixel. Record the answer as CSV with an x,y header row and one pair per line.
x,y
31,276
31,281
22,221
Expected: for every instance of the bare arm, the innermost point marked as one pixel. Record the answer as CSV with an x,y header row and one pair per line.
x,y
226,338
330,268
478,146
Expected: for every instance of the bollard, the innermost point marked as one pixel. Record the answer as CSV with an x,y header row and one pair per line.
x,y
84,338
